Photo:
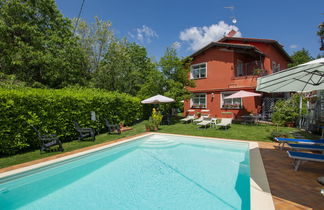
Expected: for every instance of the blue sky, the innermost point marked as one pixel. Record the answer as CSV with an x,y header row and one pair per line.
x,y
189,25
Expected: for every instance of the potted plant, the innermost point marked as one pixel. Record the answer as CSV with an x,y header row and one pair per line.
x,y
258,71
148,126
155,119
198,114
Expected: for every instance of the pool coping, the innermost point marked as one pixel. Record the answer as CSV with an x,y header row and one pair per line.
x,y
260,193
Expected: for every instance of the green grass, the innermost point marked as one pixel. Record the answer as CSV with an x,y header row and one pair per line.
x,y
237,131
69,146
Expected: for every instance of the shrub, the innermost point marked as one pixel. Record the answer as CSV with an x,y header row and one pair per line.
x,y
52,111
287,110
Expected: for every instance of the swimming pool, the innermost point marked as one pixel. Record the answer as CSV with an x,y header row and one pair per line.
x,y
156,171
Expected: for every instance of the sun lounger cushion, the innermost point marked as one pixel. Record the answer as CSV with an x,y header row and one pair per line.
x,y
302,156
307,146
283,141
205,122
188,118
225,122
306,156
321,141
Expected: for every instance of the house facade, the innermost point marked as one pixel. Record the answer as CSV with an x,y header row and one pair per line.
x,y
230,65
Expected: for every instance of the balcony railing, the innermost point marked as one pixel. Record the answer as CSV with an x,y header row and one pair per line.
x,y
254,68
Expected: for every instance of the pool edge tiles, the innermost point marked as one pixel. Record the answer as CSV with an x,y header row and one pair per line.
x,y
260,195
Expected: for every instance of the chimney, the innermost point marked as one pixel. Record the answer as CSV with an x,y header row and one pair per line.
x,y
231,33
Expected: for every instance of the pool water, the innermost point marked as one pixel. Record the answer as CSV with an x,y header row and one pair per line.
x,y
153,172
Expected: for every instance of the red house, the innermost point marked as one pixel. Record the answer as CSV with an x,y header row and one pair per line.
x,y
229,65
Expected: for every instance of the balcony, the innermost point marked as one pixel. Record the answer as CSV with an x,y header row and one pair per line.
x,y
254,68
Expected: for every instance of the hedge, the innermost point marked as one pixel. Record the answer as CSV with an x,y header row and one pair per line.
x,y
52,111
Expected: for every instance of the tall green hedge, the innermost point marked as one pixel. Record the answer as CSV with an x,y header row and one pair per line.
x,y
52,111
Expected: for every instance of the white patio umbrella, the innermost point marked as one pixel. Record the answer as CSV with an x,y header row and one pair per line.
x,y
242,94
305,77
320,60
158,99
302,78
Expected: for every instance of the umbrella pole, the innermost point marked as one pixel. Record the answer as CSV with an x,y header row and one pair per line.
x,y
300,109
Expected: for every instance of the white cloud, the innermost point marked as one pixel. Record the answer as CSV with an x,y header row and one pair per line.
x,y
143,34
293,46
176,45
198,37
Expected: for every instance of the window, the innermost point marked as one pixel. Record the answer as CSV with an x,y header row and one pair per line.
x,y
233,103
198,71
199,100
275,67
239,68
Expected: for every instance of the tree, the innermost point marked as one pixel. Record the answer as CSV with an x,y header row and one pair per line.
x,y
95,40
124,68
300,57
176,71
37,45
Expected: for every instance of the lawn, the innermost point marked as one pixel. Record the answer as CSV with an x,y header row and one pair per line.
x,y
237,131
69,146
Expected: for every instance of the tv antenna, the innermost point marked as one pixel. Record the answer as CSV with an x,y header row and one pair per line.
x,y
231,8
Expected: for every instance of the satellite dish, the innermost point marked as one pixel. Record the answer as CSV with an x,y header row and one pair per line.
x,y
234,21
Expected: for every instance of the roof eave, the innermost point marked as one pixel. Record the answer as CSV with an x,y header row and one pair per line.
x,y
217,44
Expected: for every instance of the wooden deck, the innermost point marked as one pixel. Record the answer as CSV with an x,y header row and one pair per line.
x,y
292,189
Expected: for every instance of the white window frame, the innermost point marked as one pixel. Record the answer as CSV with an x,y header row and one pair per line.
x,y
236,69
222,100
191,71
192,104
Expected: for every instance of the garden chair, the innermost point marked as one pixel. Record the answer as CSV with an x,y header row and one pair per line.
x,y
85,133
112,127
307,147
213,122
225,123
201,118
298,157
48,141
188,118
283,141
206,122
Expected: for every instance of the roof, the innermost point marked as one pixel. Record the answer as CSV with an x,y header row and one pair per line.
x,y
228,45
276,44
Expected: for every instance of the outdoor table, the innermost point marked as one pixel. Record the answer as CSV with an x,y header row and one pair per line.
x,y
250,119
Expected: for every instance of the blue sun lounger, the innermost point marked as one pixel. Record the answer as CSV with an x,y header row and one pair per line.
x,y
298,157
283,141
312,147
